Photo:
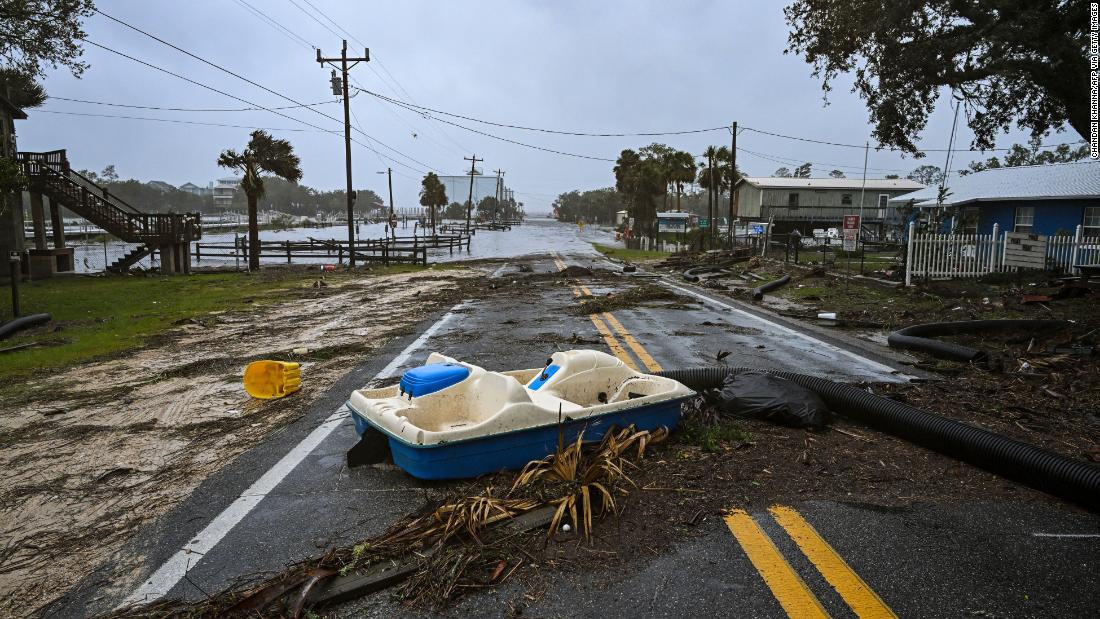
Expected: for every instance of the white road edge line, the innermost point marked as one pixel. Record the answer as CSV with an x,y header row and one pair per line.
x,y
1069,535
174,569
882,367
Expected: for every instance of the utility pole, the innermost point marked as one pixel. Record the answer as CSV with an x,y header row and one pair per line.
x,y
733,178
389,176
712,203
470,203
500,193
343,84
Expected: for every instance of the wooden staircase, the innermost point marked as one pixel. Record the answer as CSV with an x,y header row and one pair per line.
x,y
49,174
131,258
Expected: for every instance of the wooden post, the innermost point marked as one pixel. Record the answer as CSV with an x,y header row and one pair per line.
x,y
38,217
287,244
1077,238
57,224
909,253
993,248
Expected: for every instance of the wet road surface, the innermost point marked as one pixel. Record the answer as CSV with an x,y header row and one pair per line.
x,y
293,496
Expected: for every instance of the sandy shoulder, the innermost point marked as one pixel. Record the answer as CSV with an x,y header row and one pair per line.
x,y
108,446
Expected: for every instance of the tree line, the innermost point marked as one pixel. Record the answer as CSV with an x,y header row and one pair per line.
x,y
278,195
653,178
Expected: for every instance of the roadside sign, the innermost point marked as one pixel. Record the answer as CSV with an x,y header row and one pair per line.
x,y
851,232
672,221
758,229
671,225
704,223
1025,251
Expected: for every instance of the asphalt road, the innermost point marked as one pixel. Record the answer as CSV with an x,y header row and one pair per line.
x,y
293,496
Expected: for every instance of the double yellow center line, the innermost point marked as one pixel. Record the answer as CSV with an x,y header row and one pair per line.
x,y
786,585
647,361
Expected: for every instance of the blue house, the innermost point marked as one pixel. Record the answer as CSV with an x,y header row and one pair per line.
x,y
1048,199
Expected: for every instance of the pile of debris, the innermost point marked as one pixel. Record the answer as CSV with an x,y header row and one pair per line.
x,y
447,548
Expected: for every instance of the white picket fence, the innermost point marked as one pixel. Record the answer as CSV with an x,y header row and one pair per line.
x,y
973,255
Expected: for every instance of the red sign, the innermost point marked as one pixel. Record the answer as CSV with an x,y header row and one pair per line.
x,y
851,222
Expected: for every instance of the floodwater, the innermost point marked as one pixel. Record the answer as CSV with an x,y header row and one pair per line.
x,y
535,236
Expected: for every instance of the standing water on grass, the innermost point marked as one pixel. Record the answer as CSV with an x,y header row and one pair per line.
x,y
535,236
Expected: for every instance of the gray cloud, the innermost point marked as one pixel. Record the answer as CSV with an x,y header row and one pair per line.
x,y
586,66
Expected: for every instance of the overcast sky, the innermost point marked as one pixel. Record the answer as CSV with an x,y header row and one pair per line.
x,y
602,67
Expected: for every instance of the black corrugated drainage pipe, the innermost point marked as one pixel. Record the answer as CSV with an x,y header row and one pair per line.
x,y
24,322
1034,466
758,292
915,337
693,274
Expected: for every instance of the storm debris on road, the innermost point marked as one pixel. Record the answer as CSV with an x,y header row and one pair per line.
x,y
639,295
451,546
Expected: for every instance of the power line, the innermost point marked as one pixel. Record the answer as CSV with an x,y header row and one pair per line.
x,y
189,109
518,143
369,66
680,132
310,15
341,28
392,83
789,161
795,163
423,109
245,79
892,149
176,121
222,92
293,36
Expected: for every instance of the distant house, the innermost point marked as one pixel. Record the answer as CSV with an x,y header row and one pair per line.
x,y
224,191
1040,199
195,190
161,186
808,203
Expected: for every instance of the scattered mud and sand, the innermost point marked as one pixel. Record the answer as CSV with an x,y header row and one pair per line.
x,y
93,452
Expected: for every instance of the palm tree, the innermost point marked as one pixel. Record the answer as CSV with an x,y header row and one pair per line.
x,y
432,194
263,154
682,170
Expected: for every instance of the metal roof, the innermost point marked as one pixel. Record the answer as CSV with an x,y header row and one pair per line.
x,y
876,184
1056,181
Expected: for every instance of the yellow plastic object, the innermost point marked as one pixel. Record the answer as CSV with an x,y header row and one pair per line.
x,y
272,379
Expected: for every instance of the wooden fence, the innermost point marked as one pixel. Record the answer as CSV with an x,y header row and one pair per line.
x,y
974,255
401,249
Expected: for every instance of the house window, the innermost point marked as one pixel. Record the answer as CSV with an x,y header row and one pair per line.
x,y
1090,226
792,200
883,200
968,221
846,199
1025,219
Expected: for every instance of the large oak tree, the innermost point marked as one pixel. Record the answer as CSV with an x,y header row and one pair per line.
x,y
1021,61
40,34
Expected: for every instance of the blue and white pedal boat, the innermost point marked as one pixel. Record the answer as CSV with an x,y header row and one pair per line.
x,y
449,420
